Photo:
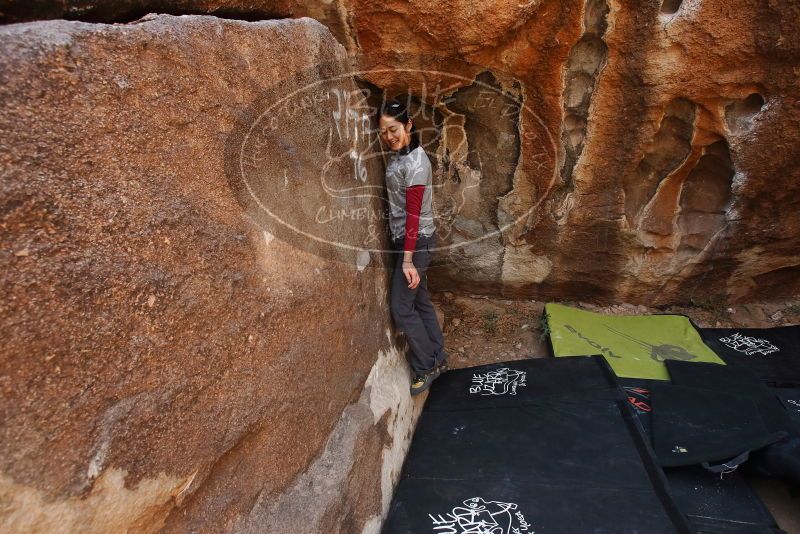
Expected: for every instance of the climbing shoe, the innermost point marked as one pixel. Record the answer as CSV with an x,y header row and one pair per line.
x,y
441,368
421,382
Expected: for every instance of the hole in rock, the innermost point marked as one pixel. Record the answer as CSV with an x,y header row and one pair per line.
x,y
574,128
706,196
668,149
583,67
739,114
670,7
595,17
493,140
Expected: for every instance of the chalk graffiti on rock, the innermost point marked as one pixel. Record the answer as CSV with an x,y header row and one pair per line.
x,y
478,516
748,345
503,381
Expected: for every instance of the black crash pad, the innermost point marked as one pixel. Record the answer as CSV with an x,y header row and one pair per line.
x,y
714,504
558,455
561,442
773,354
692,425
734,389
733,380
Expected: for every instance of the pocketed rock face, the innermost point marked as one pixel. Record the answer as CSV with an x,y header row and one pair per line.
x,y
157,370
657,161
629,112
707,232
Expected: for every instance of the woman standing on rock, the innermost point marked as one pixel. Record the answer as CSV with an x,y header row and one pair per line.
x,y
409,184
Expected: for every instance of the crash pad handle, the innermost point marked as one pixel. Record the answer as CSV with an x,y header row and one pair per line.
x,y
729,465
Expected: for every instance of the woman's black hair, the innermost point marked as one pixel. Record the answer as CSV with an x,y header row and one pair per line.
x,y
398,111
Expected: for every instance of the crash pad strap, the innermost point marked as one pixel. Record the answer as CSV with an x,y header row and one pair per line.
x,y
654,472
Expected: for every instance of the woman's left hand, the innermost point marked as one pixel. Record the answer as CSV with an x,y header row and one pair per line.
x,y
411,275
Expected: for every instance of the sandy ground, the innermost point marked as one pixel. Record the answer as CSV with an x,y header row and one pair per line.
x,y
480,330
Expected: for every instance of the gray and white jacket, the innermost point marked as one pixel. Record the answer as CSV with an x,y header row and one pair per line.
x,y
406,167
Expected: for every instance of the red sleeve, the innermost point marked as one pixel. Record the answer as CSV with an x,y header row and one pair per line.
x,y
413,207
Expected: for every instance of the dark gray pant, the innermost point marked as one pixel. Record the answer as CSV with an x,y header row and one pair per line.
x,y
413,311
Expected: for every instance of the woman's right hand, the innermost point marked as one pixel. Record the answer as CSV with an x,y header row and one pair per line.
x,y
412,276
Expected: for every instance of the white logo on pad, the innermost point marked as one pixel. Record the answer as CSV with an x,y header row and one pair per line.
x,y
481,517
749,345
503,381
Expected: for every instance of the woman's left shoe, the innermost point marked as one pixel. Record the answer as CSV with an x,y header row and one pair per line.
x,y
422,382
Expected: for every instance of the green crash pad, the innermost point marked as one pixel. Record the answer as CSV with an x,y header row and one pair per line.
x,y
634,345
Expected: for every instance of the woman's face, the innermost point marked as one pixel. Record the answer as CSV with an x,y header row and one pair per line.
x,y
393,133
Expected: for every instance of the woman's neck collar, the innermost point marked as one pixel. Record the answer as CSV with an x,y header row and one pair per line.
x,y
412,144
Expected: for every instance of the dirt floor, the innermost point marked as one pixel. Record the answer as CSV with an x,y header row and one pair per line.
x,y
480,330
